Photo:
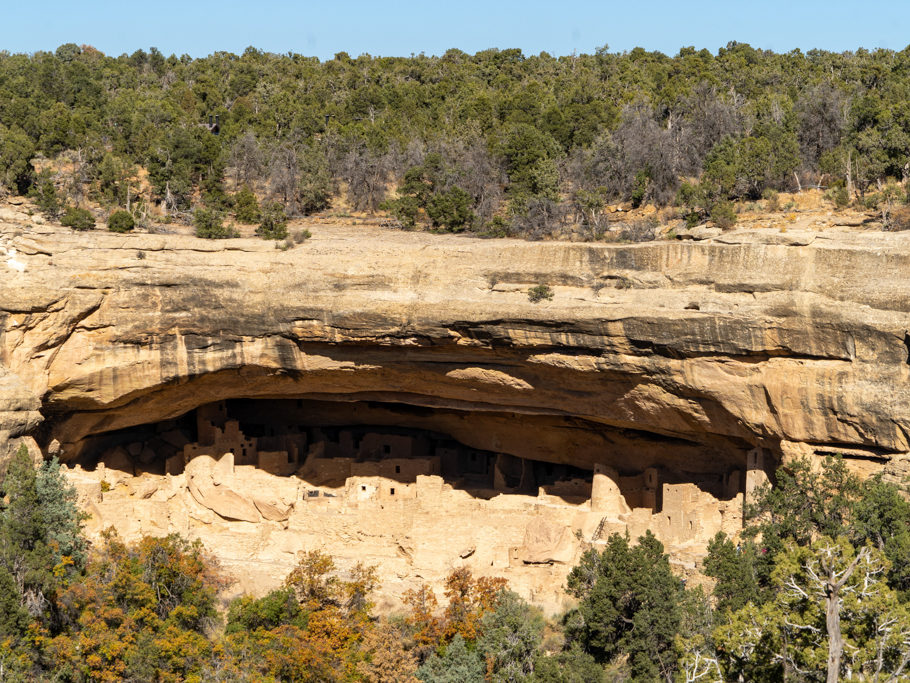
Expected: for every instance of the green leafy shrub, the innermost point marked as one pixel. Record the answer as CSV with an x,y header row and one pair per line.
x,y
314,190
772,199
450,209
405,209
497,226
276,609
120,221
45,195
639,188
274,225
455,663
209,224
723,214
246,206
629,604
17,150
839,196
538,293
871,201
78,219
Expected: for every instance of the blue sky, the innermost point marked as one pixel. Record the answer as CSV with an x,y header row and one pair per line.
x,y
392,27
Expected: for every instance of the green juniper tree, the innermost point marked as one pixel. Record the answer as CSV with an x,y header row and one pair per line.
x,y
630,605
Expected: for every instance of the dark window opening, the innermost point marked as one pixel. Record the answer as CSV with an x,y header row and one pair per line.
x,y
386,449
363,488
397,470
392,492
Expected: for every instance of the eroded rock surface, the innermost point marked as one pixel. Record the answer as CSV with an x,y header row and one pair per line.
x,y
687,355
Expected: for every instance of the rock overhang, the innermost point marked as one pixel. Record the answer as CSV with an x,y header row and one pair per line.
x,y
716,346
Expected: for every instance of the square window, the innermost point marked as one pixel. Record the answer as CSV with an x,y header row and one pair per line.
x,y
363,488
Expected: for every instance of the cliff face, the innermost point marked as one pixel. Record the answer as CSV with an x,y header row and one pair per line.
x,y
692,356
710,346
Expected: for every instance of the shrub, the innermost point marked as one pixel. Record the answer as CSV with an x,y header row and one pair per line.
x,y
772,198
535,218
246,206
45,195
450,209
274,225
404,209
497,226
78,219
120,221
693,218
898,219
315,186
538,293
639,188
641,230
276,609
723,214
301,236
840,197
210,225
871,201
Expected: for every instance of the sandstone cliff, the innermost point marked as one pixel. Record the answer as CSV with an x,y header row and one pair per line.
x,y
760,338
687,354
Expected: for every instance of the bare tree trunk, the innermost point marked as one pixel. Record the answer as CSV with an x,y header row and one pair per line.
x,y
835,639
849,174
833,587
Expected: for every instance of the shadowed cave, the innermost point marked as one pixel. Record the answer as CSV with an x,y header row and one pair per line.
x,y
329,443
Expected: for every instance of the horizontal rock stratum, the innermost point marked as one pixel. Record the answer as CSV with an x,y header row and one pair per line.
x,y
689,351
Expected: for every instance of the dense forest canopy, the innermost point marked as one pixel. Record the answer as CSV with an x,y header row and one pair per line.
x,y
493,140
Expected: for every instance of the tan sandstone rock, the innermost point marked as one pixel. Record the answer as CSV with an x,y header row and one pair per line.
x,y
714,358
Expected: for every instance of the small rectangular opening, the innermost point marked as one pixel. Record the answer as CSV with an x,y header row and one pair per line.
x,y
392,492
397,470
386,449
363,488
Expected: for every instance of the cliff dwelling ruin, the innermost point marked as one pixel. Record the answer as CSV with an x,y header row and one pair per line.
x,y
265,474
